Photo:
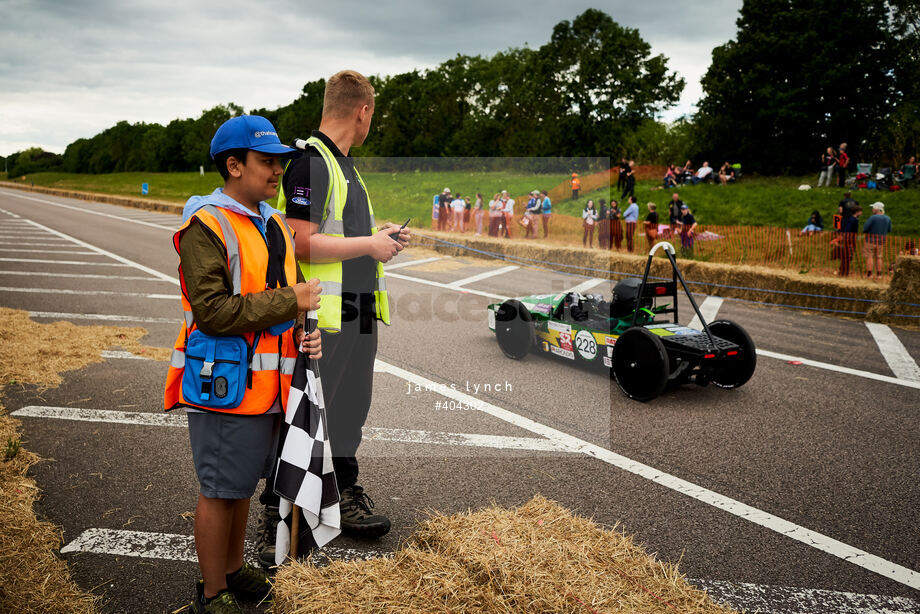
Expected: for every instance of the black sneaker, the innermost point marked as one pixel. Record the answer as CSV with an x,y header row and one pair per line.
x,y
357,518
266,531
222,603
249,583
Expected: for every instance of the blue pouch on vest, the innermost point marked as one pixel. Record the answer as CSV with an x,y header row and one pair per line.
x,y
277,329
216,370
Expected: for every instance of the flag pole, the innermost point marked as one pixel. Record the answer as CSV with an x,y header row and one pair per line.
x,y
295,531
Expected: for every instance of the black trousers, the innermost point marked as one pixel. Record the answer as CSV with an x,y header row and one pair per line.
x,y
346,372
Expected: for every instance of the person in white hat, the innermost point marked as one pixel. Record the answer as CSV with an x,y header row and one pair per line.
x,y
876,229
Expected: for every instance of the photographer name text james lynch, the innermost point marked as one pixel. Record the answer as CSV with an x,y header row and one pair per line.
x,y
467,386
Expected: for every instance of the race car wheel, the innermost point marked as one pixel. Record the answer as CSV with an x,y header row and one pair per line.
x,y
734,372
640,364
514,329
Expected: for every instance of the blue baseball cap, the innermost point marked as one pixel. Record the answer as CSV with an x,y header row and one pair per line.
x,y
249,132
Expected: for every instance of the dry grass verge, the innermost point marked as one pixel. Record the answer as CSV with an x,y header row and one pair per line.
x,y
32,577
538,557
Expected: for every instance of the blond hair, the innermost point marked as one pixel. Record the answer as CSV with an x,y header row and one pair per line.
x,y
346,91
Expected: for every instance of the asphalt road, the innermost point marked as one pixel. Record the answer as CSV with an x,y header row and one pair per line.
x,y
798,492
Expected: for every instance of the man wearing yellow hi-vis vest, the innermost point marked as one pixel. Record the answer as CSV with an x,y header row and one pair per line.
x,y
336,240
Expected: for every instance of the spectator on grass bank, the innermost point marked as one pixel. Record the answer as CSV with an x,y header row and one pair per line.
x,y
589,219
846,207
495,214
467,212
651,225
875,229
603,224
843,161
576,186
616,224
547,212
726,173
477,213
443,202
846,239
631,217
623,168
458,205
630,188
508,211
670,178
828,160
815,223
684,173
687,231
674,212
532,214
704,174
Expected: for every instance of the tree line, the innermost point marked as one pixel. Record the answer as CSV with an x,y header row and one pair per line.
x,y
800,75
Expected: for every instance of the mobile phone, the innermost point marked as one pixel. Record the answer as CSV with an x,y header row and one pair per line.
x,y
395,235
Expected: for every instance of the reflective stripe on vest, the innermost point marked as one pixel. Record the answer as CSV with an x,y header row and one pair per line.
x,y
247,259
330,273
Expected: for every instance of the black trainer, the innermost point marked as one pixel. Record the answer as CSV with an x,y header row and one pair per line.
x,y
249,583
357,518
266,531
223,602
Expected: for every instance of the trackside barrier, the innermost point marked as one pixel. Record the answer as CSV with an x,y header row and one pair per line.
x,y
742,283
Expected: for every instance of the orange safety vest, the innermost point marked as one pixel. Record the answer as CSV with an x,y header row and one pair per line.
x,y
576,184
274,356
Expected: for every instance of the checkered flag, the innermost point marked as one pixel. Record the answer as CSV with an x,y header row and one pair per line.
x,y
305,477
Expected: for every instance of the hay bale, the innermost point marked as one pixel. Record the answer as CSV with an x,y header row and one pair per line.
x,y
904,288
538,557
32,578
37,353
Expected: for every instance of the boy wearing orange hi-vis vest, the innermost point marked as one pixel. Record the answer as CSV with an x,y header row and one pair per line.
x,y
232,361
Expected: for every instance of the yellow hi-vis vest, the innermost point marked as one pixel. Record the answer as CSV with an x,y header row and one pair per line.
x,y
330,273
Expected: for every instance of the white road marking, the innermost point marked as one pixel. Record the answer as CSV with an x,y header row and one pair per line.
x,y
174,297
90,211
438,284
772,599
710,309
485,275
399,265
79,262
894,352
768,599
474,440
816,540
172,547
48,252
120,354
586,285
170,278
78,275
823,365
59,315
57,243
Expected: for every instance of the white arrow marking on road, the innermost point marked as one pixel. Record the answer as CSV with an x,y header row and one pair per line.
x,y
768,599
816,540
399,265
473,278
894,352
847,370
500,442
586,285
710,309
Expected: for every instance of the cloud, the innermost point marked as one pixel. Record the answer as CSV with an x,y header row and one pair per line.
x,y
71,69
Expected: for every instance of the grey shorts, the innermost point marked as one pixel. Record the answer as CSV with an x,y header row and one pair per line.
x,y
232,452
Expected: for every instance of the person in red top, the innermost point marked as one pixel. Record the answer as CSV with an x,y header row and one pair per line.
x,y
843,160
576,186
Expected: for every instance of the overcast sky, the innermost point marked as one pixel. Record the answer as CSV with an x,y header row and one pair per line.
x,y
71,68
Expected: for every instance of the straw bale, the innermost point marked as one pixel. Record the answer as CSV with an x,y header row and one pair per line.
x,y
904,288
37,353
538,557
32,578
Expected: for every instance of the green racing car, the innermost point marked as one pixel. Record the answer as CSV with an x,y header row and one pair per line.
x,y
628,335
